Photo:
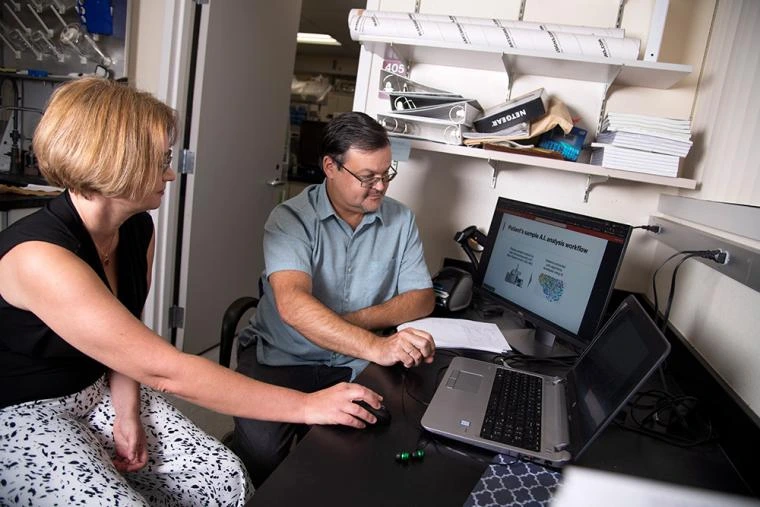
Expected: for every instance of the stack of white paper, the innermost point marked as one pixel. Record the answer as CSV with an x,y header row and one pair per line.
x,y
647,144
462,334
614,157
640,140
653,125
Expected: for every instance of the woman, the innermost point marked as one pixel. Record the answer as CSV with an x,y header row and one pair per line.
x,y
75,426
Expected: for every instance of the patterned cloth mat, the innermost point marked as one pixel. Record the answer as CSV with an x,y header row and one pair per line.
x,y
510,481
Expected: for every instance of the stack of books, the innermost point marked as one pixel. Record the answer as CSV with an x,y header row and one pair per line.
x,y
646,144
422,112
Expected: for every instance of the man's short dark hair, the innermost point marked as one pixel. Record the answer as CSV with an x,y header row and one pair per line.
x,y
352,130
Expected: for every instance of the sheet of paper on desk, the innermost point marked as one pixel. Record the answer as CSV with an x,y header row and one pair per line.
x,y
582,487
462,334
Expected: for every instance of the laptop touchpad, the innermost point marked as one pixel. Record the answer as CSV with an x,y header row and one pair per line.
x,y
468,382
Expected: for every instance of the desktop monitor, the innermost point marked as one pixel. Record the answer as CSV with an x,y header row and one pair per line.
x,y
309,151
554,268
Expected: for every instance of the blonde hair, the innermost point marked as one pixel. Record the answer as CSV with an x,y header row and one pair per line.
x,y
99,136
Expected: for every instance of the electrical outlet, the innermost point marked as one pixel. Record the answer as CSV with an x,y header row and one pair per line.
x,y
742,263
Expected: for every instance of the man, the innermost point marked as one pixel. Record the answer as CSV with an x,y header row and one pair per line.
x,y
342,260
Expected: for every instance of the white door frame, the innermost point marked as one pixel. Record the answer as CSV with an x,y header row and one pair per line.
x,y
170,86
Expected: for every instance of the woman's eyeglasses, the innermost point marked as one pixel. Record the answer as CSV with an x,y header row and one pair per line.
x,y
168,156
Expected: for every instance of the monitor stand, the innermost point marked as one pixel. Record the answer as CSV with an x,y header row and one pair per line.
x,y
538,343
527,341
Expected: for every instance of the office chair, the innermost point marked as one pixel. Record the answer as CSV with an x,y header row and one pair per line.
x,y
230,321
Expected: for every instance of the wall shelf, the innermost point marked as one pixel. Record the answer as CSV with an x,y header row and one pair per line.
x,y
513,61
26,77
596,174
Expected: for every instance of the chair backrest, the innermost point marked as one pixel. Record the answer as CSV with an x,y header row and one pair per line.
x,y
230,321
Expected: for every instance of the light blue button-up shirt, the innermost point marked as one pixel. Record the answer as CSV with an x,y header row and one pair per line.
x,y
349,269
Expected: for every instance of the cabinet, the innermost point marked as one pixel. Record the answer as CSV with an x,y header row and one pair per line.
x,y
607,71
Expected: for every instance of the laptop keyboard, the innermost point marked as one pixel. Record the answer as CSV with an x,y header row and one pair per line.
x,y
513,415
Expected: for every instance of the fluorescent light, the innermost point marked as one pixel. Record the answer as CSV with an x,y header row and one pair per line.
x,y
317,38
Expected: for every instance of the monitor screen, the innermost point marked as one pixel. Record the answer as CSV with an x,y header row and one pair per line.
x,y
556,269
309,144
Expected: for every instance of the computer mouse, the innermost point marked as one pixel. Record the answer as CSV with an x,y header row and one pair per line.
x,y
382,413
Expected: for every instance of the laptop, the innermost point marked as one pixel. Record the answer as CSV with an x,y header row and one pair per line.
x,y
565,414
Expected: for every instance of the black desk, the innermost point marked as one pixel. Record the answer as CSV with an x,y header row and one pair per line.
x,y
340,466
9,201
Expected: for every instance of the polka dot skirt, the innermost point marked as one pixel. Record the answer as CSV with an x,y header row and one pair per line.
x,y
60,451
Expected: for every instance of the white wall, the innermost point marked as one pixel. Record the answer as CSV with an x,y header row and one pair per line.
x,y
449,192
719,316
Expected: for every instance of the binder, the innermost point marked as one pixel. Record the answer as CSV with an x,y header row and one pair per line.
x,y
463,111
392,82
403,100
417,127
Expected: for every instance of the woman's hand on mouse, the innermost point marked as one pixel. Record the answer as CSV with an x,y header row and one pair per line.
x,y
334,405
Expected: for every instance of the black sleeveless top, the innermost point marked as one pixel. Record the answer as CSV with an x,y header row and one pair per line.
x,y
36,363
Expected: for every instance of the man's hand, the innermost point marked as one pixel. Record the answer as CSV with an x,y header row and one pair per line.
x,y
131,446
334,405
410,347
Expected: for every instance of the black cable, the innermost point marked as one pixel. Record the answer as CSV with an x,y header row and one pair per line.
x,y
515,359
427,438
651,228
664,411
715,255
672,291
404,376
654,283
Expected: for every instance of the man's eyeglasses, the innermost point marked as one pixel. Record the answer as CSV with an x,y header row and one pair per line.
x,y
167,159
371,181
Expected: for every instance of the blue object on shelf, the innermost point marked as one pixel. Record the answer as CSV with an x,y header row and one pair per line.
x,y
568,145
96,15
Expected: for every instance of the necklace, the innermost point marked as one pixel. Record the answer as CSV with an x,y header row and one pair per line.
x,y
106,259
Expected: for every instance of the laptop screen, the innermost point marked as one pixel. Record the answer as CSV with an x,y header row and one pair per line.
x,y
623,355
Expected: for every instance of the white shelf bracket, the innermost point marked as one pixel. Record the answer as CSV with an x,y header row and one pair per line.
x,y
593,180
494,171
511,74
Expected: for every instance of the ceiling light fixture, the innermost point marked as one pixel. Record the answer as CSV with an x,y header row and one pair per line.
x,y
317,38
